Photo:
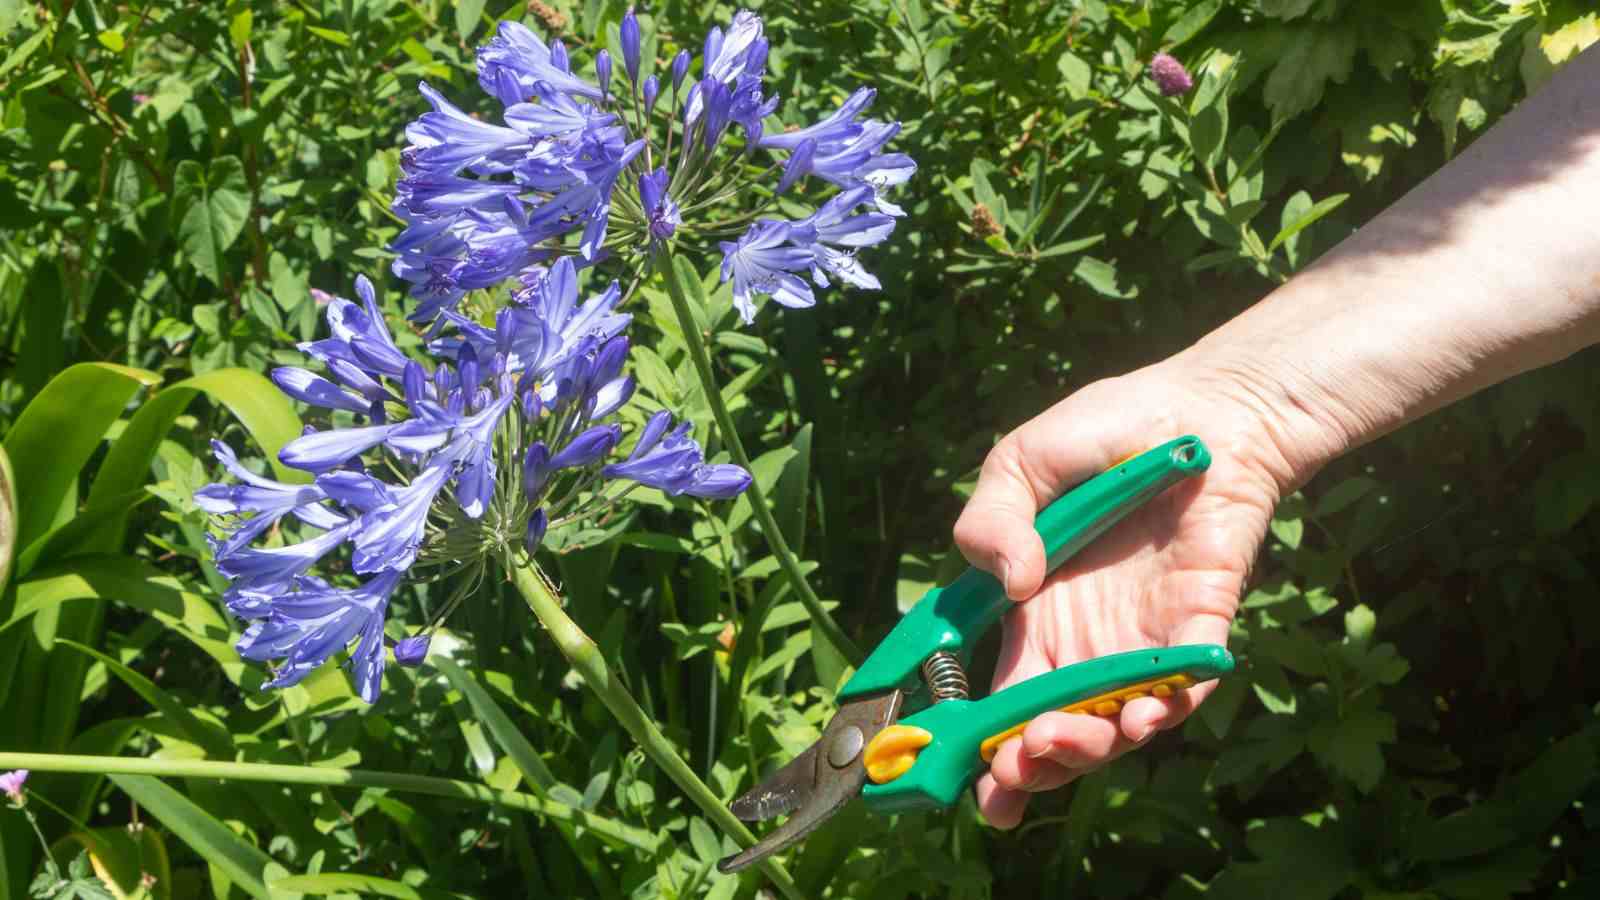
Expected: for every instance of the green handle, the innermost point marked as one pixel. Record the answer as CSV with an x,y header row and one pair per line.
x,y
953,617
949,763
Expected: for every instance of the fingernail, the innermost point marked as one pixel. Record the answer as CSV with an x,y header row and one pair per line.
x,y
1144,734
1005,575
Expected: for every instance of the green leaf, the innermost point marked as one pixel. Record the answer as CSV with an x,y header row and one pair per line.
x,y
1312,57
501,728
348,883
239,29
1307,219
1076,75
792,493
1290,531
469,15
1351,746
1102,278
211,207
57,433
1192,22
217,743
243,863
1296,862
1341,495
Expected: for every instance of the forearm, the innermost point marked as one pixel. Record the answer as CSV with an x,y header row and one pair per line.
x,y
1489,268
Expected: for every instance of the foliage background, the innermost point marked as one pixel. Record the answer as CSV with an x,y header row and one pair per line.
x,y
1413,717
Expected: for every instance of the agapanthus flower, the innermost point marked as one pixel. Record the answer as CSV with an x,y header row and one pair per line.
x,y
452,463
576,167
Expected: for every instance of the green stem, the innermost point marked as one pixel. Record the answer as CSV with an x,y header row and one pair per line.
x,y
585,657
758,496
354,778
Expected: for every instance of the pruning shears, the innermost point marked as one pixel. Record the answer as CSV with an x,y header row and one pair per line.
x,y
906,737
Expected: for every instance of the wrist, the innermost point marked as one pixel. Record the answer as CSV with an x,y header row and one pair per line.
x,y
1284,423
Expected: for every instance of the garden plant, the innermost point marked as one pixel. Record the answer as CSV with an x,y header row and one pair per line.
x,y
456,447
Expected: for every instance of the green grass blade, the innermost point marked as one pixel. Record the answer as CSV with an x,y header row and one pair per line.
x,y
346,883
504,731
242,862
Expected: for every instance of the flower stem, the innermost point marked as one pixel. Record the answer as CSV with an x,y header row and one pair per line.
x,y
355,778
585,657
758,496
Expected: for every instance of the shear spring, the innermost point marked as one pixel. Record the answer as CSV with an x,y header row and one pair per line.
x,y
945,677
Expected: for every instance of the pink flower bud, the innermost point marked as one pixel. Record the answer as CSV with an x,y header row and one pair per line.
x,y
1170,75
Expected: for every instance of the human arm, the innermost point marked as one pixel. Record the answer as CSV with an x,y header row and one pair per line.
x,y
1489,268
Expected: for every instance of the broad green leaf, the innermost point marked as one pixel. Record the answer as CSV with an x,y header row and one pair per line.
x,y
57,433
469,15
1351,746
1192,22
1296,862
349,883
1313,56
210,206
1290,531
257,403
242,862
134,582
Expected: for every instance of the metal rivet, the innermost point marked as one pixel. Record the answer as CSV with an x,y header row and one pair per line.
x,y
845,747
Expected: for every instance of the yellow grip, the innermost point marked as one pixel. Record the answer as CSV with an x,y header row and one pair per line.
x,y
893,751
1104,705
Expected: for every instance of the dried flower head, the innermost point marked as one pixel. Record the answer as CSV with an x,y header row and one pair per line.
x,y
549,15
983,223
1170,76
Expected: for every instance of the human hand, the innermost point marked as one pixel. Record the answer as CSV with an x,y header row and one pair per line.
x,y
1170,573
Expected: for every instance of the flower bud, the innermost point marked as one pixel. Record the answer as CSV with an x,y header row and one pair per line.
x,y
602,71
587,448
537,524
535,469
680,68
630,45
652,87
412,650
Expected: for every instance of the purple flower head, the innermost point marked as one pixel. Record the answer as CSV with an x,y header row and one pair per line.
x,y
1171,78
630,45
311,623
673,462
11,785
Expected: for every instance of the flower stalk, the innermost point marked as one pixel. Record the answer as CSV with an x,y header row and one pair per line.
x,y
319,775
758,495
585,657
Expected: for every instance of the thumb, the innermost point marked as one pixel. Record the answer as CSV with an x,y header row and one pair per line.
x,y
1024,472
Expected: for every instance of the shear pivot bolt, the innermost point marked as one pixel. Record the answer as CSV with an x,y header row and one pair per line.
x,y
845,747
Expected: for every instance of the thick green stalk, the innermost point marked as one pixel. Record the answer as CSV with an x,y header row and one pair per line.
x,y
758,496
585,657
353,778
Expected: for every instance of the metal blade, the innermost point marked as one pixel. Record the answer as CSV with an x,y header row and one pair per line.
x,y
835,777
781,791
